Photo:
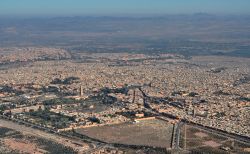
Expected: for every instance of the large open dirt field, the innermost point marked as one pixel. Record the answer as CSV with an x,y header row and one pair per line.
x,y
13,142
198,140
155,133
14,137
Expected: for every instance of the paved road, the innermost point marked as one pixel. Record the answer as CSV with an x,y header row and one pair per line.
x,y
211,130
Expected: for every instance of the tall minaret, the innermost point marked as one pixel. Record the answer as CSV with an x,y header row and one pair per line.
x,y
81,91
194,112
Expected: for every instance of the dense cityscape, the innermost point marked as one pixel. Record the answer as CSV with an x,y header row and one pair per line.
x,y
53,91
124,77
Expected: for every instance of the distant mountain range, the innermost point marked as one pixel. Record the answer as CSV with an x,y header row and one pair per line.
x,y
197,34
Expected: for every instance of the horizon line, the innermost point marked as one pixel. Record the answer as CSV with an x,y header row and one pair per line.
x,y
135,15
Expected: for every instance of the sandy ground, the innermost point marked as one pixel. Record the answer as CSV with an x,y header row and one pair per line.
x,y
23,146
80,146
200,134
150,132
212,144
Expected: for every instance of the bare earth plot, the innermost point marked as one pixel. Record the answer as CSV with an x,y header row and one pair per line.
x,y
198,140
155,133
23,146
14,138
13,142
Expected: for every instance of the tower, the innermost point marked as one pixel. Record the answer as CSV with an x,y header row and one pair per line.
x,y
81,91
185,137
194,112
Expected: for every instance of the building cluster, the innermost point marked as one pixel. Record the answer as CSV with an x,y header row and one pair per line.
x,y
196,89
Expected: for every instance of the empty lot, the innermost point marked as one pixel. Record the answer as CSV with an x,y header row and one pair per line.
x,y
155,133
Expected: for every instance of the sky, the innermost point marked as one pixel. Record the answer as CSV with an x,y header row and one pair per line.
x,y
120,7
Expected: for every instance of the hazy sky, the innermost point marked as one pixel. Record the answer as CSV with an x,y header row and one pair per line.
x,y
116,7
